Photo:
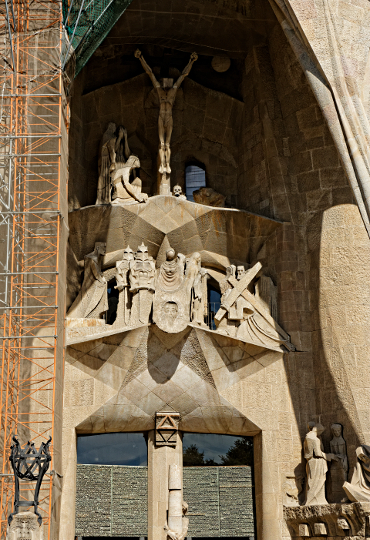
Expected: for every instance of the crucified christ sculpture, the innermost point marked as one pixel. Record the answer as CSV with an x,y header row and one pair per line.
x,y
167,95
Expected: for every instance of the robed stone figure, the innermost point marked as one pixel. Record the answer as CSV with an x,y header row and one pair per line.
x,y
316,466
359,488
92,301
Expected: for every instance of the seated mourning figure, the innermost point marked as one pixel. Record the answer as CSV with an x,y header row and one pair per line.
x,y
116,164
92,301
124,191
316,466
359,488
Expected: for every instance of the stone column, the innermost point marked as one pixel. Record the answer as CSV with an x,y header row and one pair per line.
x,y
159,460
174,518
266,490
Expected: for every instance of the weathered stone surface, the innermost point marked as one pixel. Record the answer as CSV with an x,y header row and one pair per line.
x,y
209,197
334,520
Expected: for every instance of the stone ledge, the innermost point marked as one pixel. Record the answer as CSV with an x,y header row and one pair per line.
x,y
333,516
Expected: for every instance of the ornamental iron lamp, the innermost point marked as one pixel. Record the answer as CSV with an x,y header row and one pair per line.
x,y
29,464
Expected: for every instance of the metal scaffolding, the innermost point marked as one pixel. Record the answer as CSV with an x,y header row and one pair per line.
x,y
32,200
87,23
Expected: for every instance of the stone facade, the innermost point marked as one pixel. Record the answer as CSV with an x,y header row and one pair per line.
x,y
281,127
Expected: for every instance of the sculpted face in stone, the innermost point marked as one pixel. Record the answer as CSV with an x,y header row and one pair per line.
x,y
170,309
241,272
336,430
100,248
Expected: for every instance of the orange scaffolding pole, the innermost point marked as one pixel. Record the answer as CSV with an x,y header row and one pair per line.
x,y
30,223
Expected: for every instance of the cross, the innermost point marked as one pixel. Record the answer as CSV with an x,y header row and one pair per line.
x,y
240,288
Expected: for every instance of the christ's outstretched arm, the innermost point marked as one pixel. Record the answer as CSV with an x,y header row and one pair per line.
x,y
186,71
147,69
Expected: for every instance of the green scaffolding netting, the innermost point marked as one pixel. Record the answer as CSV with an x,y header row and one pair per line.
x,y
87,23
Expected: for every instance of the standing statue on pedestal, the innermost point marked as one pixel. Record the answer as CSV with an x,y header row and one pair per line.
x,y
199,306
167,95
316,467
92,300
